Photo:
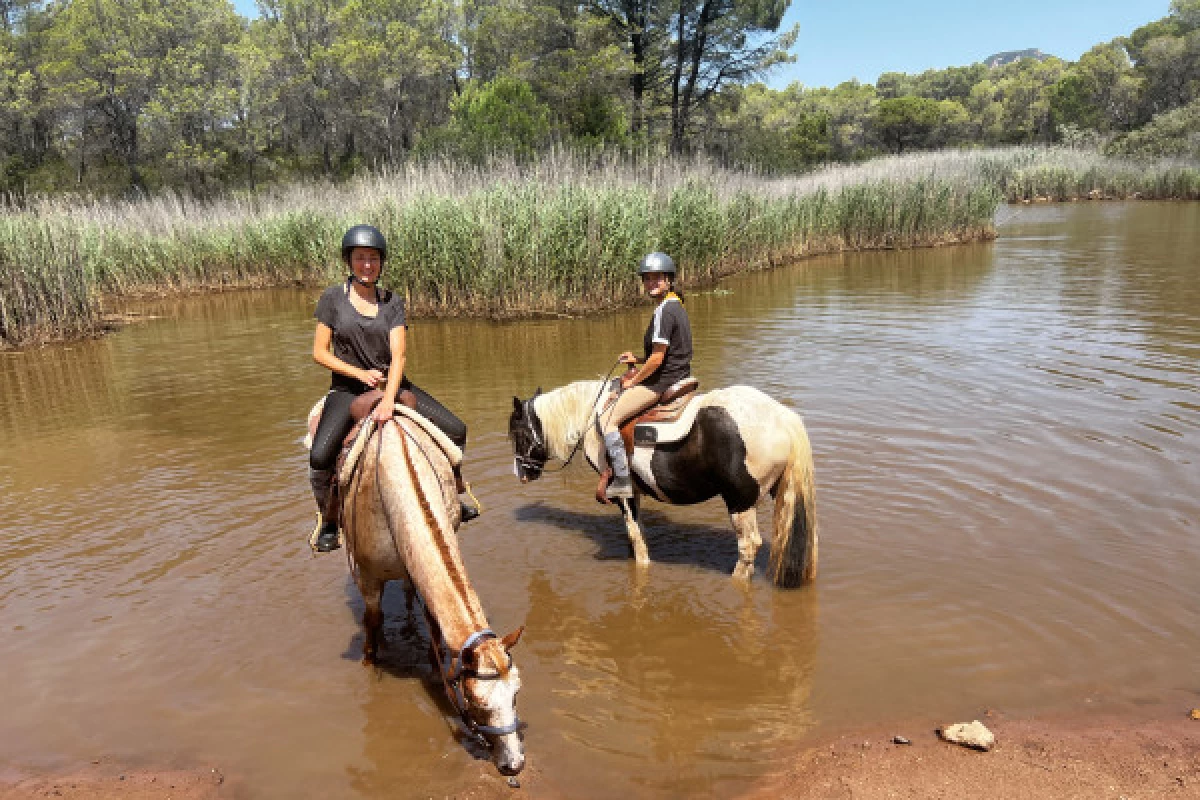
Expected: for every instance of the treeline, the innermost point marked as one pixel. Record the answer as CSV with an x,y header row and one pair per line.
x,y
1137,95
105,96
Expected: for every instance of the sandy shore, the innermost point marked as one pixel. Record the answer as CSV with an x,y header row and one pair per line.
x,y
1135,755
1139,754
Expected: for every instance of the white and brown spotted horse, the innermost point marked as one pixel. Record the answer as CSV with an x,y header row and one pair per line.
x,y
735,443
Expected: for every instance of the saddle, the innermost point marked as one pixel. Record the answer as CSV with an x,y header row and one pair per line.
x,y
364,426
668,420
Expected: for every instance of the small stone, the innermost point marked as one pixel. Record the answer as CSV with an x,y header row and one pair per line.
x,y
900,740
973,734
514,783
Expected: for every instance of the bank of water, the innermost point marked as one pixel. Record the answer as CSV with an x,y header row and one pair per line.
x,y
1006,440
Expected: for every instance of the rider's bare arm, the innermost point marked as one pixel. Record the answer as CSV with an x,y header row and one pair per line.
x,y
649,368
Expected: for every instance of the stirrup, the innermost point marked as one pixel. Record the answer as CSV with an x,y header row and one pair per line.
x,y
467,512
620,487
321,544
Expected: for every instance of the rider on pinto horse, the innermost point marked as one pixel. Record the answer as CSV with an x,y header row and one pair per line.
x,y
667,347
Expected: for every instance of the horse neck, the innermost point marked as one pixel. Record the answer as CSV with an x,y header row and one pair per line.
x,y
433,560
565,414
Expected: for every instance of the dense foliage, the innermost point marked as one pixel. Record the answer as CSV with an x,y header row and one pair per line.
x,y
103,96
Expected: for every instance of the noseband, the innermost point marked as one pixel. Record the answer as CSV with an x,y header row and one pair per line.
x,y
454,671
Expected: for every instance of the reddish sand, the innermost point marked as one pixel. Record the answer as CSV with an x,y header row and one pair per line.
x,y
1148,755
103,782
1085,758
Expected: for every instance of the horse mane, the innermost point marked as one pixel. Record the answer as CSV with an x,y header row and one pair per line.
x,y
439,533
565,414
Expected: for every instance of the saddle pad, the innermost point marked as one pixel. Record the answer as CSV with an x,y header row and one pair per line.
x,y
453,453
648,434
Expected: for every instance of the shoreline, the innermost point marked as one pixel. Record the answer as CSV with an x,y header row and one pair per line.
x,y
1131,751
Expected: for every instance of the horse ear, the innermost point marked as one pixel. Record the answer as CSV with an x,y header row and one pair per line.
x,y
539,391
510,641
516,403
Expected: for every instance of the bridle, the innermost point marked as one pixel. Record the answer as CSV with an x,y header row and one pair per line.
x,y
453,671
526,459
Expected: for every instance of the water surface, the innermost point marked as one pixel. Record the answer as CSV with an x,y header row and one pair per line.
x,y
1006,440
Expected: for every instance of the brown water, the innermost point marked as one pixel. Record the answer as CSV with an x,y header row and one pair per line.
x,y
1006,441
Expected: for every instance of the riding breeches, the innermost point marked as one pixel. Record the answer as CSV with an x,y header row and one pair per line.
x,y
335,423
633,400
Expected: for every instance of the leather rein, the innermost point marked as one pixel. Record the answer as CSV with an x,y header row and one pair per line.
x,y
527,460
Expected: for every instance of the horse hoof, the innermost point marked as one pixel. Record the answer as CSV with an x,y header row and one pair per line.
x,y
368,659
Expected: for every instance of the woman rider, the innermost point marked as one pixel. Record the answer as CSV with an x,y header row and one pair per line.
x,y
360,338
668,359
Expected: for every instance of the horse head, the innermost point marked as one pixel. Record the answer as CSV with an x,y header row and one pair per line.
x,y
490,684
529,442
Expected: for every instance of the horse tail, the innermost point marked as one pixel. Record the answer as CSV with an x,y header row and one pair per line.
x,y
794,547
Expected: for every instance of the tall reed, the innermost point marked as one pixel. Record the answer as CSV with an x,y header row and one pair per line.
x,y
559,236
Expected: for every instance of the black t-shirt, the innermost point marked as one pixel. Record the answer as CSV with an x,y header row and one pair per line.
x,y
669,326
358,340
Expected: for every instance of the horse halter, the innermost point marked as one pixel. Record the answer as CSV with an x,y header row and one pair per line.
x,y
453,671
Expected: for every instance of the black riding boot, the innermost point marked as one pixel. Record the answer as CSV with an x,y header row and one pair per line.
x,y
467,511
325,536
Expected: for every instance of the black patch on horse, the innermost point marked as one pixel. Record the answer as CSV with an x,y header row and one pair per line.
x,y
709,461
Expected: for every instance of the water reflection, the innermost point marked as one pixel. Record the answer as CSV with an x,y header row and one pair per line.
x,y
689,684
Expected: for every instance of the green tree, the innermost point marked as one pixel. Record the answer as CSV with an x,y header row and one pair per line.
x,y
500,117
718,42
127,61
906,122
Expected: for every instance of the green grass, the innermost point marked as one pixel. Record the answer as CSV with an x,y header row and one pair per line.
x,y
561,237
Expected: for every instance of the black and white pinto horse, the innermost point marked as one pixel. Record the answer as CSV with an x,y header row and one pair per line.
x,y
740,445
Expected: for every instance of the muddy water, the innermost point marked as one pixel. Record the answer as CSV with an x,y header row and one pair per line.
x,y
1006,441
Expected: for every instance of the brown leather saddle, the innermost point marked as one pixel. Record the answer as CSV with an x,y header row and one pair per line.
x,y
671,404
360,408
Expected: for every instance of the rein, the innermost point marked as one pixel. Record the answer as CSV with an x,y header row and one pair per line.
x,y
527,461
451,667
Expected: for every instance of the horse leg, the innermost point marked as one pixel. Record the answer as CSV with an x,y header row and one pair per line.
x,y
629,510
410,596
372,593
746,525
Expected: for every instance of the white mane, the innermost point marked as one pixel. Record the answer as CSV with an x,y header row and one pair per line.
x,y
565,415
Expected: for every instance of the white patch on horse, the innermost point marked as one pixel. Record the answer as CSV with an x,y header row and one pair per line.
x,y
640,464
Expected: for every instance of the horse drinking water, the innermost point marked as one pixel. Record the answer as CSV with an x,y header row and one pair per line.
x,y
400,515
735,443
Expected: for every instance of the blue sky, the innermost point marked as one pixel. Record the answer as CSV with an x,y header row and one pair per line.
x,y
862,38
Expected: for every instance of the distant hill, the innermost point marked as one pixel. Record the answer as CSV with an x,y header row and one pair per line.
x,y
1009,56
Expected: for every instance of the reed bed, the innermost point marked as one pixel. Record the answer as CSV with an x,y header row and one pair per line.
x,y
561,236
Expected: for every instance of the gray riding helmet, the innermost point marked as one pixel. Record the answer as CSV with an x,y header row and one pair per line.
x,y
364,236
657,262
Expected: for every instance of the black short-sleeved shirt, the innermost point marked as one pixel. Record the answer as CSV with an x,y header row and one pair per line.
x,y
669,326
358,340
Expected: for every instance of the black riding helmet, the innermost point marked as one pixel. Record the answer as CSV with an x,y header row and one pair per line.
x,y
363,236
657,262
